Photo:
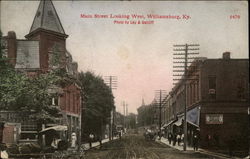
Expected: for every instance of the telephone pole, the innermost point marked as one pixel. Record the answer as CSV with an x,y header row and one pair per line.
x,y
127,126
111,81
160,94
125,113
183,55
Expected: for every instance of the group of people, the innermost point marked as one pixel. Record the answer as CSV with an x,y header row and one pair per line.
x,y
179,139
175,138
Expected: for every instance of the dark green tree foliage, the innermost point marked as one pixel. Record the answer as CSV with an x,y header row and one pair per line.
x,y
28,96
98,101
3,60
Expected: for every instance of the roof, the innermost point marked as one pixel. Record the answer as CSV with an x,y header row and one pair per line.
x,y
27,54
46,18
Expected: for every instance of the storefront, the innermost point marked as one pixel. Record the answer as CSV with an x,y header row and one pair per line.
x,y
193,121
178,125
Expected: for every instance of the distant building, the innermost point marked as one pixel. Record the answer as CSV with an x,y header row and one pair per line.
x,y
217,103
148,115
44,49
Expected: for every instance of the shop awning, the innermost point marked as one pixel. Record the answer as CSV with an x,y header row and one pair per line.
x,y
55,128
193,116
167,124
192,123
179,121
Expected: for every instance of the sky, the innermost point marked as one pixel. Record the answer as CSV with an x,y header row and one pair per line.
x,y
140,55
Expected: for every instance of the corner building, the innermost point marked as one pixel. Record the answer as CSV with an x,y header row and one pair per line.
x,y
45,43
217,103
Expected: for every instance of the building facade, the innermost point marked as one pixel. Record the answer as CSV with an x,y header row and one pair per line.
x,y
217,92
148,115
43,50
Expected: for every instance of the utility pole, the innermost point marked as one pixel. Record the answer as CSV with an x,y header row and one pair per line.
x,y
183,55
123,104
127,119
111,81
124,115
160,94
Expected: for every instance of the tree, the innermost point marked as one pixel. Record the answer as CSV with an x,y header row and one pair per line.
x,y
3,59
98,102
28,95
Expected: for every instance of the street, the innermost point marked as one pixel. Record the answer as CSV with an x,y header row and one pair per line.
x,y
134,146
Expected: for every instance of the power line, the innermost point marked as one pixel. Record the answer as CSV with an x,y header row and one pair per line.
x,y
111,81
184,52
160,94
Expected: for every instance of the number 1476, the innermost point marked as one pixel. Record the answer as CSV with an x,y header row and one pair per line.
x,y
234,16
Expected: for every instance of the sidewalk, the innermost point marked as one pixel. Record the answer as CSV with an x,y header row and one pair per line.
x,y
95,144
165,141
191,149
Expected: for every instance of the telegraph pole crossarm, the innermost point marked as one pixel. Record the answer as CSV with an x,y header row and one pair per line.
x,y
184,55
162,94
111,81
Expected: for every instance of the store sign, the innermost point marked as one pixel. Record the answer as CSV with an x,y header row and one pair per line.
x,y
214,118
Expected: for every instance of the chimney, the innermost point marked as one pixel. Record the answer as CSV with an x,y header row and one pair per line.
x,y
12,47
226,56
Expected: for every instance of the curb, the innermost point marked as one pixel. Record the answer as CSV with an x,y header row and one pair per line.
x,y
217,154
201,151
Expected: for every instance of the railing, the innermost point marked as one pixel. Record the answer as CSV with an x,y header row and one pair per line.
x,y
29,127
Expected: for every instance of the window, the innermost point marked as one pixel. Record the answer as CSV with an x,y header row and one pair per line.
x,y
212,87
241,84
54,100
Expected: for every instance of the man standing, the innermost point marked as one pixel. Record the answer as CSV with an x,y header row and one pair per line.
x,y
169,138
91,137
73,140
195,140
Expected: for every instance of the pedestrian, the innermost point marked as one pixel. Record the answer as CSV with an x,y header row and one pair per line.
x,y
231,144
3,151
159,135
178,139
195,142
169,138
182,138
208,138
91,137
163,134
174,139
120,135
73,140
100,140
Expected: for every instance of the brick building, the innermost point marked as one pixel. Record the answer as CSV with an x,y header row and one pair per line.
x,y
44,49
217,103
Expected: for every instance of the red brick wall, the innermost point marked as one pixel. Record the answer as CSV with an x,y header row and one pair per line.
x,y
47,40
70,101
227,73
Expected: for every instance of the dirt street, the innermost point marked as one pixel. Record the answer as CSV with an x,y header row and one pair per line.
x,y
134,146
